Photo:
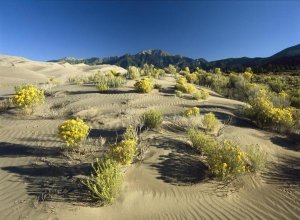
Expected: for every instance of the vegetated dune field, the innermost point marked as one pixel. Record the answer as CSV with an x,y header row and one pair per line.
x,y
38,180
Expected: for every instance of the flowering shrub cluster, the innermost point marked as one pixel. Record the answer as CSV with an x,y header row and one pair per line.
x,y
28,96
264,112
201,94
226,160
144,85
124,152
194,111
73,132
183,86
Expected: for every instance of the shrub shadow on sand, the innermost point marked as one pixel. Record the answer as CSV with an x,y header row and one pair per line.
x,y
181,166
285,172
52,179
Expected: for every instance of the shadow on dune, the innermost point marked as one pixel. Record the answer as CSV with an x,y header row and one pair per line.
x,y
289,142
81,92
54,183
18,150
180,169
181,166
51,181
110,135
110,91
286,172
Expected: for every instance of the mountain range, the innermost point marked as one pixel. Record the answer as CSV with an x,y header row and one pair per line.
x,y
285,60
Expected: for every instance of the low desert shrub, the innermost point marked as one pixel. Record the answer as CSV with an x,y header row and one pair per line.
x,y
102,86
144,85
192,78
152,118
130,134
73,132
183,86
194,111
211,123
200,141
178,93
28,96
226,160
264,113
105,181
133,72
124,151
110,80
202,94
256,158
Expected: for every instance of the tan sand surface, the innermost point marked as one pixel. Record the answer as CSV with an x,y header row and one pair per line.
x,y
39,181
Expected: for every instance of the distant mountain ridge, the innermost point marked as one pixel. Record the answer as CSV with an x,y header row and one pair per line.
x,y
287,59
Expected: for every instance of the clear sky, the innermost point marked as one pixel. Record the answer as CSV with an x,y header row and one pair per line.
x,y
51,29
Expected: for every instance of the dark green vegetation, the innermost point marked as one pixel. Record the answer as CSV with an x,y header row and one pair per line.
x,y
286,60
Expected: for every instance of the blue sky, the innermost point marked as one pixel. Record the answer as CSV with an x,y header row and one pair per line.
x,y
49,29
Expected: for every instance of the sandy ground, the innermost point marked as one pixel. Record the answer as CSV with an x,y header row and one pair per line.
x,y
39,181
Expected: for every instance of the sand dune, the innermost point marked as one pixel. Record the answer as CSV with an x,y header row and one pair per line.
x,y
37,181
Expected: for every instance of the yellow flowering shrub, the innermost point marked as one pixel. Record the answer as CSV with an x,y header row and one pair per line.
x,y
183,86
144,85
264,112
226,160
281,117
73,132
28,96
106,180
194,111
202,94
248,75
211,123
192,78
124,151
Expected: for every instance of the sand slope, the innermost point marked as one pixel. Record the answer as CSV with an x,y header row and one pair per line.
x,y
38,181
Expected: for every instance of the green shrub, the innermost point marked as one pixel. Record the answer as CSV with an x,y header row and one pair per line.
x,y
73,132
194,111
171,69
108,79
211,123
152,118
133,72
192,78
144,85
28,96
201,142
226,160
105,181
130,133
102,86
256,158
178,93
124,152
